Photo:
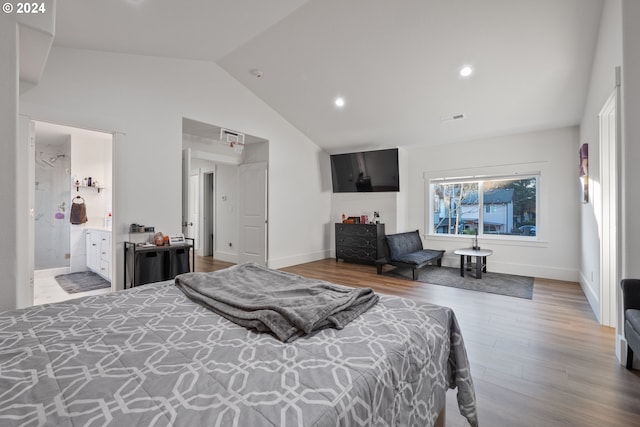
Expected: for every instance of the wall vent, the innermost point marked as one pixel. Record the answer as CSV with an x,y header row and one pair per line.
x,y
454,117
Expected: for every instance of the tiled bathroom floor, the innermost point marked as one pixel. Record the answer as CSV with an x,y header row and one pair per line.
x,y
46,289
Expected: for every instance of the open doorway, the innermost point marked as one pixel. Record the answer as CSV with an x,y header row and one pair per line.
x,y
218,196
72,212
208,214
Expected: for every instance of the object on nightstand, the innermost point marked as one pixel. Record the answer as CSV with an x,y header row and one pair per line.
x,y
158,239
177,239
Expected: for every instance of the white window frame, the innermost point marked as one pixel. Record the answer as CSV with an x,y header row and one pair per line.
x,y
431,179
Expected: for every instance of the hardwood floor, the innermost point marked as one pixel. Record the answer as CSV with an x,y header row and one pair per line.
x,y
539,362
207,263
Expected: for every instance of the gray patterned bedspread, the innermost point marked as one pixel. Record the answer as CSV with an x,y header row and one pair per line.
x,y
151,357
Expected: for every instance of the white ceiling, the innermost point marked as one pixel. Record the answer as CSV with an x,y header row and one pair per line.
x,y
395,62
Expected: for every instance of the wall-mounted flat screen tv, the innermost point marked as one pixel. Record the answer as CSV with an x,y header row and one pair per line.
x,y
365,171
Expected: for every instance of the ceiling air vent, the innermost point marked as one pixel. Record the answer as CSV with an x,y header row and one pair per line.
x,y
452,118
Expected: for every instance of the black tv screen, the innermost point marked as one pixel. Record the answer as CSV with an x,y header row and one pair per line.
x,y
366,171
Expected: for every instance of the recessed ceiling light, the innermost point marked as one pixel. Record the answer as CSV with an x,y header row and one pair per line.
x,y
466,71
339,101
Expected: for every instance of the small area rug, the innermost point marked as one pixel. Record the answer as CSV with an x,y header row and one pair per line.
x,y
494,283
82,281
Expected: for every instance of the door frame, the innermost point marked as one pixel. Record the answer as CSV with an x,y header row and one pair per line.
x,y
194,208
117,140
186,173
609,137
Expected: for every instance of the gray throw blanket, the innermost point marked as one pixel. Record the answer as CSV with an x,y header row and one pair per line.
x,y
284,304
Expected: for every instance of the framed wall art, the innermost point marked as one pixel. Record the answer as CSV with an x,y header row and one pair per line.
x,y
584,173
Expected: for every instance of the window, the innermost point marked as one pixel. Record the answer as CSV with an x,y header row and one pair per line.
x,y
498,206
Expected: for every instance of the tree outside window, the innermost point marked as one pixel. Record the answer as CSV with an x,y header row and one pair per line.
x,y
504,206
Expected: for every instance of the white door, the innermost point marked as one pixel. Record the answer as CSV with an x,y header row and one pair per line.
x,y
253,213
186,173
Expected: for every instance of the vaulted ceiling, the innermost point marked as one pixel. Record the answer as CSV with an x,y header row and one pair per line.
x,y
396,63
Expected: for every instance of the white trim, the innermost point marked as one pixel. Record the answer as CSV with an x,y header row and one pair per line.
x,y
300,259
520,269
505,240
592,298
215,157
225,256
609,264
476,178
483,172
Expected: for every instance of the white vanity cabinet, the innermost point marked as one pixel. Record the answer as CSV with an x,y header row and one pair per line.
x,y
99,252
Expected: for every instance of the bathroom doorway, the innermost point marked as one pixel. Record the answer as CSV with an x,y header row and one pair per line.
x,y
72,167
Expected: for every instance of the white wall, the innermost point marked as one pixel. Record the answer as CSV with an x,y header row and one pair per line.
x,y
392,206
607,57
226,204
146,98
91,157
300,227
10,211
630,229
256,152
402,197
358,204
16,169
553,153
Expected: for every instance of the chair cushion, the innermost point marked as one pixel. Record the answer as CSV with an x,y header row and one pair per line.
x,y
403,243
420,257
633,316
632,328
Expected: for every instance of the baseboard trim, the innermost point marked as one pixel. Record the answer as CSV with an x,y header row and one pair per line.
x,y
297,259
592,298
541,271
621,350
226,256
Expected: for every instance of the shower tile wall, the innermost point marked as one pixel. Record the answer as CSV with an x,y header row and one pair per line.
x,y
52,195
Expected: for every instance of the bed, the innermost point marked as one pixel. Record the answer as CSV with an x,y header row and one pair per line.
x,y
150,356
